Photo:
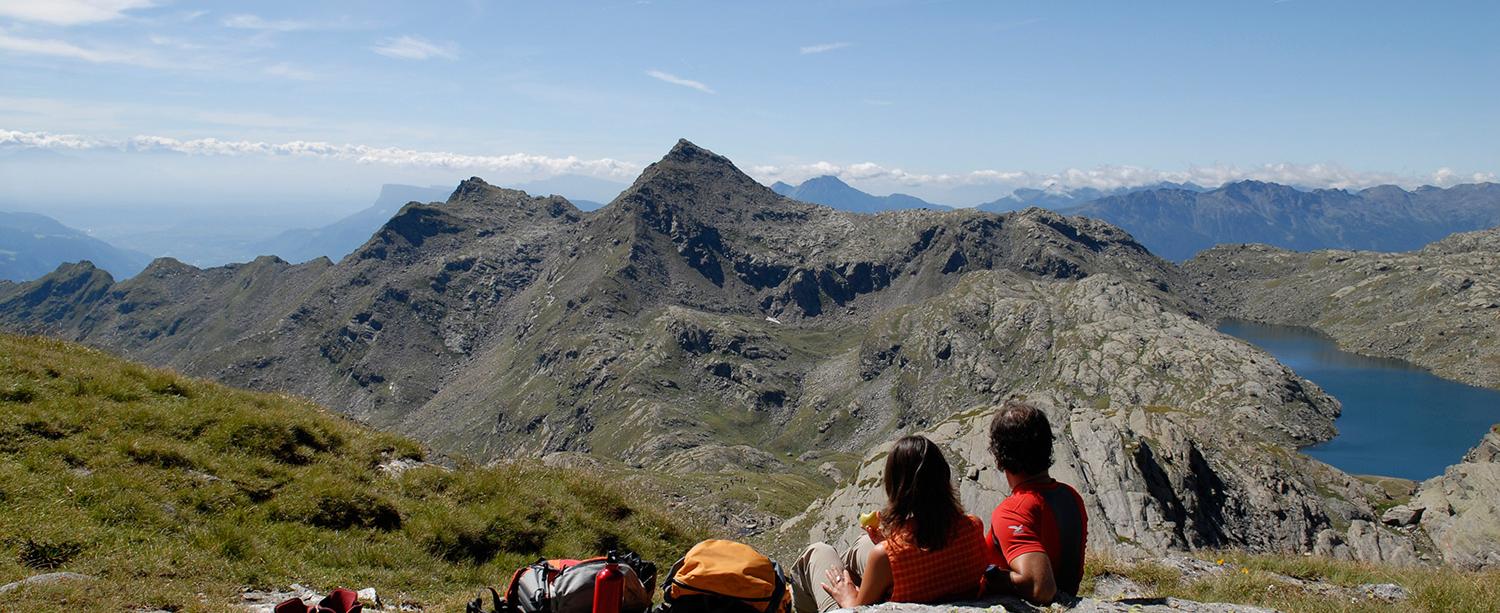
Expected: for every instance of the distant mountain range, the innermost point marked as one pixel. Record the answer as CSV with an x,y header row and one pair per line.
x,y
586,193
33,245
341,237
1176,223
829,191
337,239
1058,198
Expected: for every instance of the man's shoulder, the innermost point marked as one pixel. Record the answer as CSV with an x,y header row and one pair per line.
x,y
1022,502
1072,491
1062,485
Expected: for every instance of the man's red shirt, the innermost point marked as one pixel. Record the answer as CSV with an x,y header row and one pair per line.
x,y
1047,517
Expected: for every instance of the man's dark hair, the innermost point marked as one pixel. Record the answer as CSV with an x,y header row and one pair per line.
x,y
1021,438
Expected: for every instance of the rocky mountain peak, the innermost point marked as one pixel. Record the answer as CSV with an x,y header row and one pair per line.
x,y
1251,187
697,187
689,163
826,180
686,151
164,267
471,188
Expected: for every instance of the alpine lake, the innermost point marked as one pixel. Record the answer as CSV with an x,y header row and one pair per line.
x,y
1399,420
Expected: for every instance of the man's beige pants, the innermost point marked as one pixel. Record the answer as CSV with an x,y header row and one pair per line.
x,y
811,572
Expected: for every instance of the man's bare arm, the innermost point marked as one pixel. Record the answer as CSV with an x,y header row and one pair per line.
x,y
1031,577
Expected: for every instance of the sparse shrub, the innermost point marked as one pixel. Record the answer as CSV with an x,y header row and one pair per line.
x,y
17,392
158,453
355,510
166,385
398,449
471,539
231,540
127,508
122,395
258,490
286,443
338,508
608,503
47,554
45,429
428,482
213,498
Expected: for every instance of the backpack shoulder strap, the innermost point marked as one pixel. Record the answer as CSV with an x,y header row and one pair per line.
x,y
779,592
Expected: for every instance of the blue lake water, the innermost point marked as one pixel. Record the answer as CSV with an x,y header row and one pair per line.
x,y
1399,420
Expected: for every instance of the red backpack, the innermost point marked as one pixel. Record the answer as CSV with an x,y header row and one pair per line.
x,y
337,601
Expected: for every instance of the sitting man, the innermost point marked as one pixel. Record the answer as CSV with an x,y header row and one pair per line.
x,y
1037,534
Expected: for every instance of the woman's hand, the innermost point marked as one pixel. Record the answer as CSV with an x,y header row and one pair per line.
x,y
841,587
876,536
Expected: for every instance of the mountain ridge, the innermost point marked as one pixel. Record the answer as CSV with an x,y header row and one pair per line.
x,y
704,327
831,191
32,245
1177,223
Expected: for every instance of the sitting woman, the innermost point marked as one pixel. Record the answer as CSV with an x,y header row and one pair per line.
x,y
925,548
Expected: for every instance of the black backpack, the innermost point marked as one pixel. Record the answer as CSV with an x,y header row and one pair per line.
x,y
567,586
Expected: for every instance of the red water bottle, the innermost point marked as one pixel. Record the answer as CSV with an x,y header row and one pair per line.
x,y
609,586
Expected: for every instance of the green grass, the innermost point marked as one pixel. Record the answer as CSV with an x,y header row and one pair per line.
x,y
1259,579
1396,491
176,493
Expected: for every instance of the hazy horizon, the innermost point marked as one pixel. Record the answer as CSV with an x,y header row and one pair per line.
x,y
301,111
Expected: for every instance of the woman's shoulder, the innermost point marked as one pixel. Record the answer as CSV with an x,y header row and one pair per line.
x,y
971,524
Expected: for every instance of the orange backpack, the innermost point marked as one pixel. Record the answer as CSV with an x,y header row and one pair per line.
x,y
725,576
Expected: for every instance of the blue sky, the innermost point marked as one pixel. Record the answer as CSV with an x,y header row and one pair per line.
x,y
310,106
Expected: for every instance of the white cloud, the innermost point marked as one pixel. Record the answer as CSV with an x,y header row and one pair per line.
x,y
1113,177
244,21
676,80
69,12
1104,177
51,47
1444,177
45,140
823,48
415,48
173,42
520,163
288,71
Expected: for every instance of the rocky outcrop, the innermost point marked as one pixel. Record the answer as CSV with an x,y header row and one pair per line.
x,y
1367,542
1438,307
1202,457
1460,511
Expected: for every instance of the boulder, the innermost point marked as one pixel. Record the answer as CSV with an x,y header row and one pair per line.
x,y
1461,513
1372,543
1401,515
1388,592
44,579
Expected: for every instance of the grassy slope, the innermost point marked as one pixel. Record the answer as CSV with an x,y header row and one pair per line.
x,y
177,493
